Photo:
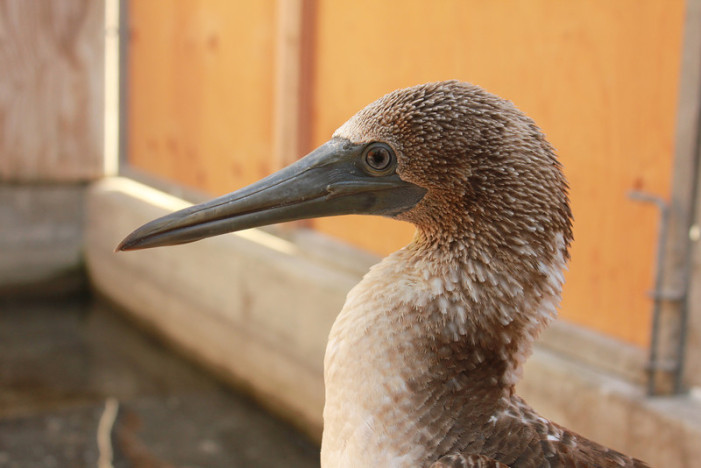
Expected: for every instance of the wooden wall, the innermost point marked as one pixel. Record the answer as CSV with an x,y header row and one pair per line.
x,y
51,90
599,77
201,90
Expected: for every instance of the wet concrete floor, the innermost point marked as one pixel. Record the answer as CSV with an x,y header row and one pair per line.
x,y
62,360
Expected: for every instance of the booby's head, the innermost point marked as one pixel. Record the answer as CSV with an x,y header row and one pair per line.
x,y
449,157
488,171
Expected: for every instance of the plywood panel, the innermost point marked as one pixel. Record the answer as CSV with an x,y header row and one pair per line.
x,y
51,90
200,91
599,77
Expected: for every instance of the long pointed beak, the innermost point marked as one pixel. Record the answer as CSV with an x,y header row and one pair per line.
x,y
331,180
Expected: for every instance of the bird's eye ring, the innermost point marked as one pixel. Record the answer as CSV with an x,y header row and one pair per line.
x,y
379,159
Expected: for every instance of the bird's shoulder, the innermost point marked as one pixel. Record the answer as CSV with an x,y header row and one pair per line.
x,y
462,460
519,437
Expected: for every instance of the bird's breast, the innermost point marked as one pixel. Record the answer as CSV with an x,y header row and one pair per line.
x,y
392,369
373,358
369,372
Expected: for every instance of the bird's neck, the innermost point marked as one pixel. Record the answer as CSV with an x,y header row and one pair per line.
x,y
484,303
430,329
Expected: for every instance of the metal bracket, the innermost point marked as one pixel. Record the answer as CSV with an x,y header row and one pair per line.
x,y
668,296
658,294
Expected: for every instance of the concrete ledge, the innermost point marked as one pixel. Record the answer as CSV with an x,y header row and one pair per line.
x,y
257,308
40,234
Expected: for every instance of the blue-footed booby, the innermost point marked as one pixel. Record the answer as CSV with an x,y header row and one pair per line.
x,y
421,363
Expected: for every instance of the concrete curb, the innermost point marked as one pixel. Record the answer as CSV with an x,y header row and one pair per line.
x,y
40,234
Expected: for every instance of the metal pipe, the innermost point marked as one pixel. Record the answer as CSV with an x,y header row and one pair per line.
x,y
657,294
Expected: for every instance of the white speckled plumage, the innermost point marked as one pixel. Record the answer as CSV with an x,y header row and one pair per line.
x,y
422,360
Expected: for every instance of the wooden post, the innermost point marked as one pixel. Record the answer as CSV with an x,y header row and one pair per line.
x,y
293,80
683,269
293,83
287,82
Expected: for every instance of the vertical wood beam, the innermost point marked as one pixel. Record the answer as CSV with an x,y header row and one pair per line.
x,y
293,80
111,144
293,84
287,82
686,180
307,75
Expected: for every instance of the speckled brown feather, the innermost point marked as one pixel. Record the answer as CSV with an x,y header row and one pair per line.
x,y
457,460
421,363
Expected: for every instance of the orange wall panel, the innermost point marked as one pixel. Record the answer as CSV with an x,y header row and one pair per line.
x,y
200,90
599,77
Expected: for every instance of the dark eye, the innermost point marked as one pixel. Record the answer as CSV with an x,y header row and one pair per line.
x,y
379,158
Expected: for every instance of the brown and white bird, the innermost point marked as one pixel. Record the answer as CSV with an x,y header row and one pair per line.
x,y
422,361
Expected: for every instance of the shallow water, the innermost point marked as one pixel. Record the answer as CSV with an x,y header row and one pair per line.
x,y
61,360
